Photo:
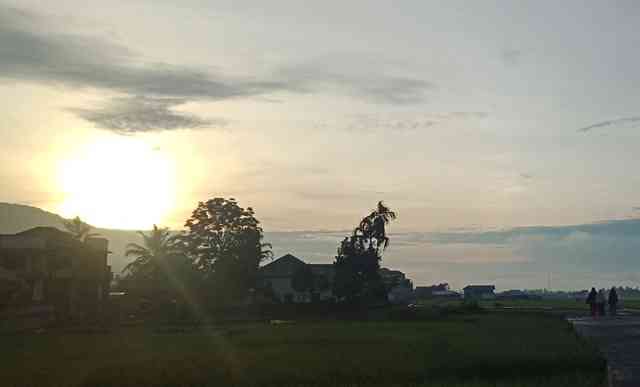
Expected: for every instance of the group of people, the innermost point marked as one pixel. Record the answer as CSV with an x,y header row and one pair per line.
x,y
598,301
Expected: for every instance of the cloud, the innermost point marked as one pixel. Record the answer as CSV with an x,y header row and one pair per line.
x,y
131,115
371,122
462,115
31,50
355,79
511,56
628,228
631,122
397,123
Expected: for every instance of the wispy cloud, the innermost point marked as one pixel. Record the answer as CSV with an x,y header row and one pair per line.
x,y
143,114
511,56
620,122
30,52
27,53
397,123
333,74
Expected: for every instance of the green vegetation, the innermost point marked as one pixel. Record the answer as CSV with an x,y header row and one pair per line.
x,y
491,349
213,262
563,304
357,264
568,305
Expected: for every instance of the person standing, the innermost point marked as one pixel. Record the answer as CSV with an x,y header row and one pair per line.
x,y
591,300
613,301
600,300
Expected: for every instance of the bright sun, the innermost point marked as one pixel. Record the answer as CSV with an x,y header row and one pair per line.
x,y
117,182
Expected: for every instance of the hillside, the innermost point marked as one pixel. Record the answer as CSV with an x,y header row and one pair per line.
x,y
15,218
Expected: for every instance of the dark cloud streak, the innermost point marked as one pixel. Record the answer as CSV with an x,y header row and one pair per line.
x,y
143,114
631,121
27,54
30,51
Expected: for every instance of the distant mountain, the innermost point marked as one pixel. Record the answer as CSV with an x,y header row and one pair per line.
x,y
15,218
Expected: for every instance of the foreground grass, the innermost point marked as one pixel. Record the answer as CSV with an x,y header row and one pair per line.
x,y
475,351
553,304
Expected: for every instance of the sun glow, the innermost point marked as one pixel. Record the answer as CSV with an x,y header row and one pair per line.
x,y
117,182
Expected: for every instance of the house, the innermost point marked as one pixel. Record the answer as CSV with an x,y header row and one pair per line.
x,y
278,278
399,286
429,291
44,266
436,291
479,292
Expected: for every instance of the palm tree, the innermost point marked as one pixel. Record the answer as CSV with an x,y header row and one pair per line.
x,y
80,230
372,228
153,257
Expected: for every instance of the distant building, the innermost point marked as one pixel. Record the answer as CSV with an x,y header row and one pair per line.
x,y
278,275
436,291
400,287
277,278
428,291
479,292
44,266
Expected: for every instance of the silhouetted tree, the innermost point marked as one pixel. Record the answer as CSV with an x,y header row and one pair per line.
x,y
79,229
372,228
152,258
357,263
160,270
224,241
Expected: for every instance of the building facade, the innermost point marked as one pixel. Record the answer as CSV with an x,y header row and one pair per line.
x,y
479,292
44,266
280,276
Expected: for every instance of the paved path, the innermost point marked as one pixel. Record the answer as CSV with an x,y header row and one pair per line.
x,y
619,339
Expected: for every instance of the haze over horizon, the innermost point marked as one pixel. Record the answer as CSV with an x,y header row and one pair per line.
x,y
463,117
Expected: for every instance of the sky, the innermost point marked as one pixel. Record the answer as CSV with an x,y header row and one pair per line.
x,y
464,117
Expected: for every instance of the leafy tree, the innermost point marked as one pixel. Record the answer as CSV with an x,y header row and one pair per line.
x,y
357,263
224,241
80,230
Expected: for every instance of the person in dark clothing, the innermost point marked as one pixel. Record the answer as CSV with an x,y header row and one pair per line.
x,y
613,301
591,300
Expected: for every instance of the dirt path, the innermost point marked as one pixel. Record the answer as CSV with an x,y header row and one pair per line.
x,y
619,339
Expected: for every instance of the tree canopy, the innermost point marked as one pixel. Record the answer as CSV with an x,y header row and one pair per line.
x,y
80,230
357,263
225,244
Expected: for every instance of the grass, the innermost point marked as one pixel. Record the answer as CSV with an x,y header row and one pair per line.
x,y
555,304
469,350
559,304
